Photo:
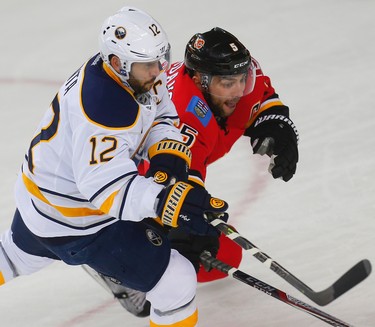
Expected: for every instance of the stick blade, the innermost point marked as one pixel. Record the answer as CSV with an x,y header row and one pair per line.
x,y
351,278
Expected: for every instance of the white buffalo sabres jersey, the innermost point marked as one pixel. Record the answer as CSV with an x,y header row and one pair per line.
x,y
80,171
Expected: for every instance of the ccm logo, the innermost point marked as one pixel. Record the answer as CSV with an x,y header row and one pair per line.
x,y
241,64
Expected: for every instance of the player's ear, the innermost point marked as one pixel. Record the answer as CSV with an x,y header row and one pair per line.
x,y
197,80
115,62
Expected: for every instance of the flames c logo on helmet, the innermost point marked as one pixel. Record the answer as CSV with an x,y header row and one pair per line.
x,y
120,33
199,43
216,203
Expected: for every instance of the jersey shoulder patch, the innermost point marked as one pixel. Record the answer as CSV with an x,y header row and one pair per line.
x,y
199,109
106,103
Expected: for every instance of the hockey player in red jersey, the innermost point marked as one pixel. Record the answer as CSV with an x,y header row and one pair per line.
x,y
221,94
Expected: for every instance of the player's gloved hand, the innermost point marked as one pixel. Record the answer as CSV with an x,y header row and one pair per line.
x,y
191,246
276,136
169,162
185,206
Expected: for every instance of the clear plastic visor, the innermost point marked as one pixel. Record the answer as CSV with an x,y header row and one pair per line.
x,y
232,86
143,74
225,91
149,67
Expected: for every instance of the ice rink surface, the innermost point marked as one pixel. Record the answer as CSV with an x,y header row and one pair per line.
x,y
320,57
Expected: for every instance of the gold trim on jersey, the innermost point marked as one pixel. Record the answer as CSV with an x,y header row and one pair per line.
x,y
117,79
107,204
67,212
265,105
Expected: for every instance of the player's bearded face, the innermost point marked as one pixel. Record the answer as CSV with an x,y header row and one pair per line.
x,y
142,76
225,92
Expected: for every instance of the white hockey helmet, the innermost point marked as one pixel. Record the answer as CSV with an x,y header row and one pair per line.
x,y
133,36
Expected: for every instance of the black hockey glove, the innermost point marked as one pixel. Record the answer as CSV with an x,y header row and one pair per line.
x,y
185,206
276,136
169,162
191,246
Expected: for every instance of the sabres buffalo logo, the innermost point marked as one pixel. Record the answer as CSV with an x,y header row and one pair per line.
x,y
120,32
199,43
154,237
216,203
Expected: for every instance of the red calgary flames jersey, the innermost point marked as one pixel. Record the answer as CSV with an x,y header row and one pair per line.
x,y
206,139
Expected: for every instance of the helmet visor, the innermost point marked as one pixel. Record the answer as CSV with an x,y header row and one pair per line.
x,y
240,84
225,91
162,60
143,74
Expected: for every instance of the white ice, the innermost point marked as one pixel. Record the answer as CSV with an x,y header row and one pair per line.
x,y
320,55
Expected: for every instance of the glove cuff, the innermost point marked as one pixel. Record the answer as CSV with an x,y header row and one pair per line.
x,y
171,147
171,202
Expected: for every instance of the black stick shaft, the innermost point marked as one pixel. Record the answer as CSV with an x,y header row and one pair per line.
x,y
209,261
350,279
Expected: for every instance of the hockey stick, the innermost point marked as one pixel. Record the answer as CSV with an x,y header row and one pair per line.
x,y
133,301
210,262
351,278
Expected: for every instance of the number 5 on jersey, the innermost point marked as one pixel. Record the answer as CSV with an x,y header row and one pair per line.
x,y
189,135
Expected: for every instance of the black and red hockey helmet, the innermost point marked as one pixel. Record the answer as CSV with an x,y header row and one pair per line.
x,y
217,52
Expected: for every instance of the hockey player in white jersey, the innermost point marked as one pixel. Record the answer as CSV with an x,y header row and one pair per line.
x,y
79,196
